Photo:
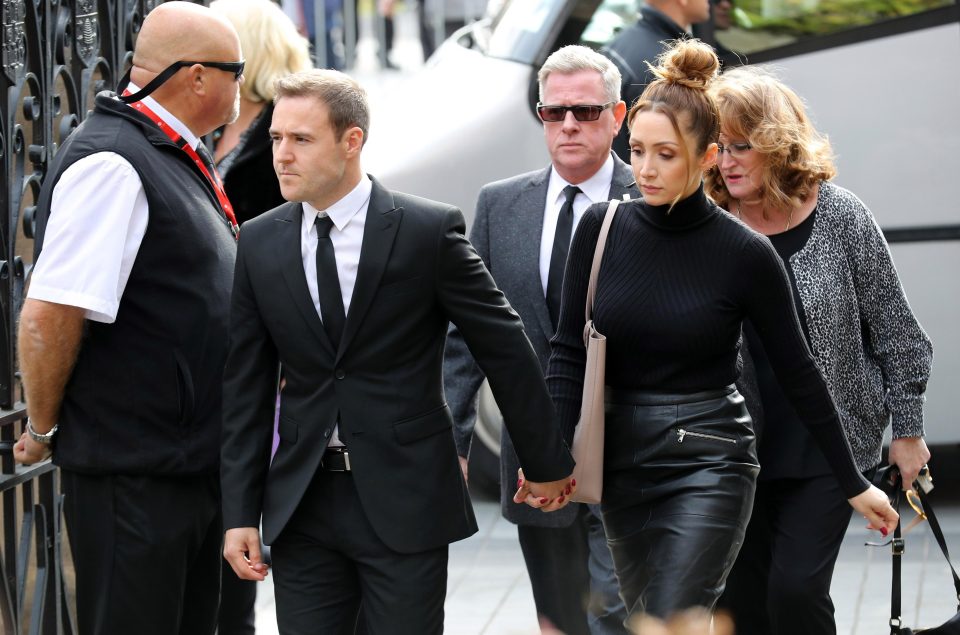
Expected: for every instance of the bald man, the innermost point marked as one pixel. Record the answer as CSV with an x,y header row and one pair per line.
x,y
123,334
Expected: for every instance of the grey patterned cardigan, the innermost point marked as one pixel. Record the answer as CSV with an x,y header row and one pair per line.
x,y
872,351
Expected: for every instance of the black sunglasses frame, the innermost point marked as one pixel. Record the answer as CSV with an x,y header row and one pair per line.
x,y
581,112
231,67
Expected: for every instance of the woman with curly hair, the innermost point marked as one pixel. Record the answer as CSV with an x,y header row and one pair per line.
x,y
678,277
773,173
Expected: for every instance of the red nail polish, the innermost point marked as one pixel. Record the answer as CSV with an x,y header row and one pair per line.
x,y
560,500
544,501
883,532
567,491
573,482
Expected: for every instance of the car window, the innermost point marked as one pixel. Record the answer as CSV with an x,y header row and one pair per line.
x,y
522,28
609,18
759,25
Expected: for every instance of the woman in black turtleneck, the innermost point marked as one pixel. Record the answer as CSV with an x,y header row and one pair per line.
x,y
678,278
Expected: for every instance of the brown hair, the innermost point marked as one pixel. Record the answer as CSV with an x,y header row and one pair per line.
x,y
346,100
683,73
759,108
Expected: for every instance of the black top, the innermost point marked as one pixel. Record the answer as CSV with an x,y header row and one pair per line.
x,y
248,175
674,289
787,450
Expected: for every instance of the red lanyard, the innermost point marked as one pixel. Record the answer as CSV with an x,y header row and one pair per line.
x,y
213,178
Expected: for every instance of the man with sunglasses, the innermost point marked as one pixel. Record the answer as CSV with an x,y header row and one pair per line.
x,y
661,21
522,230
124,332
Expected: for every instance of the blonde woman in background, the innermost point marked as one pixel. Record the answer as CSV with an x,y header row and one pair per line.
x,y
272,48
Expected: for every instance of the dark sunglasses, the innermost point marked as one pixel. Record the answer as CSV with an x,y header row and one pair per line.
x,y
581,112
231,67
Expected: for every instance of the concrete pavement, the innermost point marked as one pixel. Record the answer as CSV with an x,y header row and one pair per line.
x,y
488,592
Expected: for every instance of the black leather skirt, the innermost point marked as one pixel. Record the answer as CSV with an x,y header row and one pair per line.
x,y
680,472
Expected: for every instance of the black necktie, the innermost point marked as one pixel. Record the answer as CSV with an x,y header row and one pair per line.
x,y
558,257
328,282
207,159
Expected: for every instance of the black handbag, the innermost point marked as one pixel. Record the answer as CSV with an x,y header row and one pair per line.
x,y
888,478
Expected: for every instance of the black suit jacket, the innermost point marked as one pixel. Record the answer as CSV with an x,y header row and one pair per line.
x,y
630,50
417,271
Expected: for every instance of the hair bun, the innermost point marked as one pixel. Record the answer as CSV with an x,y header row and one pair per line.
x,y
690,63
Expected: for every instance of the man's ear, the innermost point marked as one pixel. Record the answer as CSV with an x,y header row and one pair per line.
x,y
619,114
354,139
196,79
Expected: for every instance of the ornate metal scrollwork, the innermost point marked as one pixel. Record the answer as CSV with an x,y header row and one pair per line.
x,y
14,38
56,54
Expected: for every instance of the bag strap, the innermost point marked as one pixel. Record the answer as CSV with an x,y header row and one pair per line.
x,y
598,256
897,545
898,548
938,534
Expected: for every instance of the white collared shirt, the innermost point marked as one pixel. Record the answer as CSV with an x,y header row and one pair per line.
x,y
349,216
98,217
593,190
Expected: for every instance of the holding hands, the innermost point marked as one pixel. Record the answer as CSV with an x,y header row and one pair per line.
x,y
546,497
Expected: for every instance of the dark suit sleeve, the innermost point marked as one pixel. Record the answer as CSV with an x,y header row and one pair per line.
x,y
249,396
462,376
494,334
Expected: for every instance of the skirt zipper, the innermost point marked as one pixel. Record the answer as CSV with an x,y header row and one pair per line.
x,y
681,433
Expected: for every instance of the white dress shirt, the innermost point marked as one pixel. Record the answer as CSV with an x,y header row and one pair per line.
x,y
349,216
593,190
98,217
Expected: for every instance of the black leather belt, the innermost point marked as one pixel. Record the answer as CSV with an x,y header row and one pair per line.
x,y
335,459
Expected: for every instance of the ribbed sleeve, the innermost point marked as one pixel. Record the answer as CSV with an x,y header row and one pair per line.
x,y
673,292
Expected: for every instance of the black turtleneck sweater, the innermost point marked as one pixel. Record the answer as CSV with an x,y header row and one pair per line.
x,y
673,292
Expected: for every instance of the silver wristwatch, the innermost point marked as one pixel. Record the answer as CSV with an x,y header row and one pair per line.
x,y
44,439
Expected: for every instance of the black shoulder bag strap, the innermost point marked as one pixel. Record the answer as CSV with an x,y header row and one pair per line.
x,y
896,618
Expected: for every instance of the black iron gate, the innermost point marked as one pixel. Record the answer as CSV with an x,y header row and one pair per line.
x,y
56,56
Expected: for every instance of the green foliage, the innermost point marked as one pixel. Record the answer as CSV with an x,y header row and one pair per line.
x,y
798,19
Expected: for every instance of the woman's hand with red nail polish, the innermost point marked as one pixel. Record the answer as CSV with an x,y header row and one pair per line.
x,y
547,496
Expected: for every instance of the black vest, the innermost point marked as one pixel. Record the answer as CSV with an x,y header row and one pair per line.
x,y
145,395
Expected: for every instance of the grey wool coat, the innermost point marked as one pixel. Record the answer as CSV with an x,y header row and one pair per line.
x,y
506,233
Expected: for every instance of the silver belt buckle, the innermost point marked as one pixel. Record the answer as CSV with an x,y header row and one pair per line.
x,y
346,460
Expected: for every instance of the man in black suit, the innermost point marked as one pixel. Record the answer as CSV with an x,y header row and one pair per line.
x,y
522,231
661,22
349,288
